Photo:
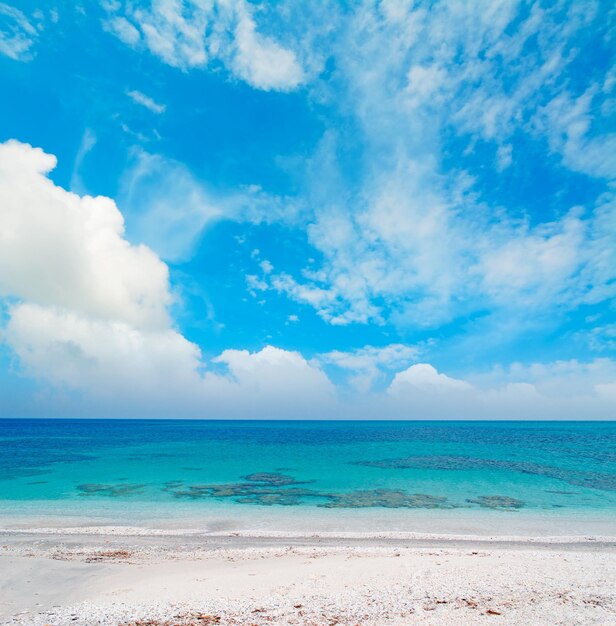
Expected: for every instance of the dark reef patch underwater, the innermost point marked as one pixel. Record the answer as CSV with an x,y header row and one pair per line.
x,y
97,489
580,478
272,488
497,502
386,498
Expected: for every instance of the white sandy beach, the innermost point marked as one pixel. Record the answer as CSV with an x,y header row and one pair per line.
x,y
122,578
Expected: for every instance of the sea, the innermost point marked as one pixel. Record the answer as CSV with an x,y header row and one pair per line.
x,y
464,477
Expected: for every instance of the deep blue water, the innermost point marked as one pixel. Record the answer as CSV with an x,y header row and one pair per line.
x,y
508,466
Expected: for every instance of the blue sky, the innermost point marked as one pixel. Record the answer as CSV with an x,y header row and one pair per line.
x,y
325,209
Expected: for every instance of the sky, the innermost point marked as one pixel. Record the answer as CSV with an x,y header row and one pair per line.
x,y
325,210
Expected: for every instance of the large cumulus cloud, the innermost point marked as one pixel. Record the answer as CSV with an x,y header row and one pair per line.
x,y
88,317
88,311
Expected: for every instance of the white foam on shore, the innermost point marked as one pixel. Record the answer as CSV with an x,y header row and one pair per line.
x,y
135,531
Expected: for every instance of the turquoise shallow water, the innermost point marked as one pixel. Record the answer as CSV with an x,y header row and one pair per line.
x,y
176,468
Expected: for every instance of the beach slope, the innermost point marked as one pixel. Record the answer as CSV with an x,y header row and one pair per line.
x,y
185,580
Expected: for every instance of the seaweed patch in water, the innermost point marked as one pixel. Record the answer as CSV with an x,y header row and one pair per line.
x,y
268,499
387,498
579,478
269,489
23,473
113,491
257,488
498,503
274,479
239,491
172,484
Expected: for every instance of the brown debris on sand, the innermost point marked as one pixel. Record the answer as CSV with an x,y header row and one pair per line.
x,y
109,555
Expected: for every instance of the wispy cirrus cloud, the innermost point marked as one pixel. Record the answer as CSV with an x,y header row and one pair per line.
x,y
169,208
17,34
145,101
411,237
191,34
123,29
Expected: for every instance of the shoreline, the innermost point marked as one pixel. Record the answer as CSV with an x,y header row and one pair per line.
x,y
103,564
297,523
257,537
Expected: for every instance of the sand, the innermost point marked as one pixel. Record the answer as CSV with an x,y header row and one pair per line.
x,y
115,579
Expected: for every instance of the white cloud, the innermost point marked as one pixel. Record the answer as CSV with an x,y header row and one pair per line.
x,y
601,338
123,30
266,266
408,238
146,101
87,314
284,380
106,358
259,60
168,208
254,284
567,121
424,377
367,365
121,370
17,34
504,157
538,264
60,249
424,82
558,390
175,32
558,379
87,143
190,33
